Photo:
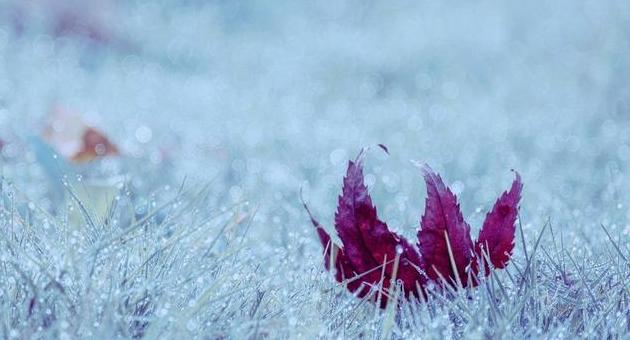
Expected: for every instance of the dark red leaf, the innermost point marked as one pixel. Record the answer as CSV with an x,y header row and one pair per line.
x,y
496,237
443,217
343,268
370,249
368,242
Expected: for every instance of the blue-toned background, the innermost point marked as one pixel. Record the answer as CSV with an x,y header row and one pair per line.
x,y
264,98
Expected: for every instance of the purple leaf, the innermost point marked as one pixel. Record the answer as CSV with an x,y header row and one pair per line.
x,y
443,218
370,249
496,237
343,268
368,242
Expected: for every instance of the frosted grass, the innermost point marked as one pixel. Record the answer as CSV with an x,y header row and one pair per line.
x,y
182,269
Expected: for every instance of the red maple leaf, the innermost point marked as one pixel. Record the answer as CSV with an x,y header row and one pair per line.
x,y
444,239
372,257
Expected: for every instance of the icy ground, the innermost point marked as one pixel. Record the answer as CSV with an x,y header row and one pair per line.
x,y
223,110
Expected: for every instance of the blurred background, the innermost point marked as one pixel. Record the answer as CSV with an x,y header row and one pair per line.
x,y
263,99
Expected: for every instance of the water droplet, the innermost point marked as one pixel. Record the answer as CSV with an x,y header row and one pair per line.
x,y
144,134
338,156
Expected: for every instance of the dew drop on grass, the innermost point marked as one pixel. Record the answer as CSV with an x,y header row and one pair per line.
x,y
338,156
144,134
458,187
191,325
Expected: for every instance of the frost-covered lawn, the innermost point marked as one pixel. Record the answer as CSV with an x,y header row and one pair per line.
x,y
224,111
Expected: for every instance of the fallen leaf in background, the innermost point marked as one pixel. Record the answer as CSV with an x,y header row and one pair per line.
x,y
95,144
74,139
373,257
62,17
70,18
89,21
